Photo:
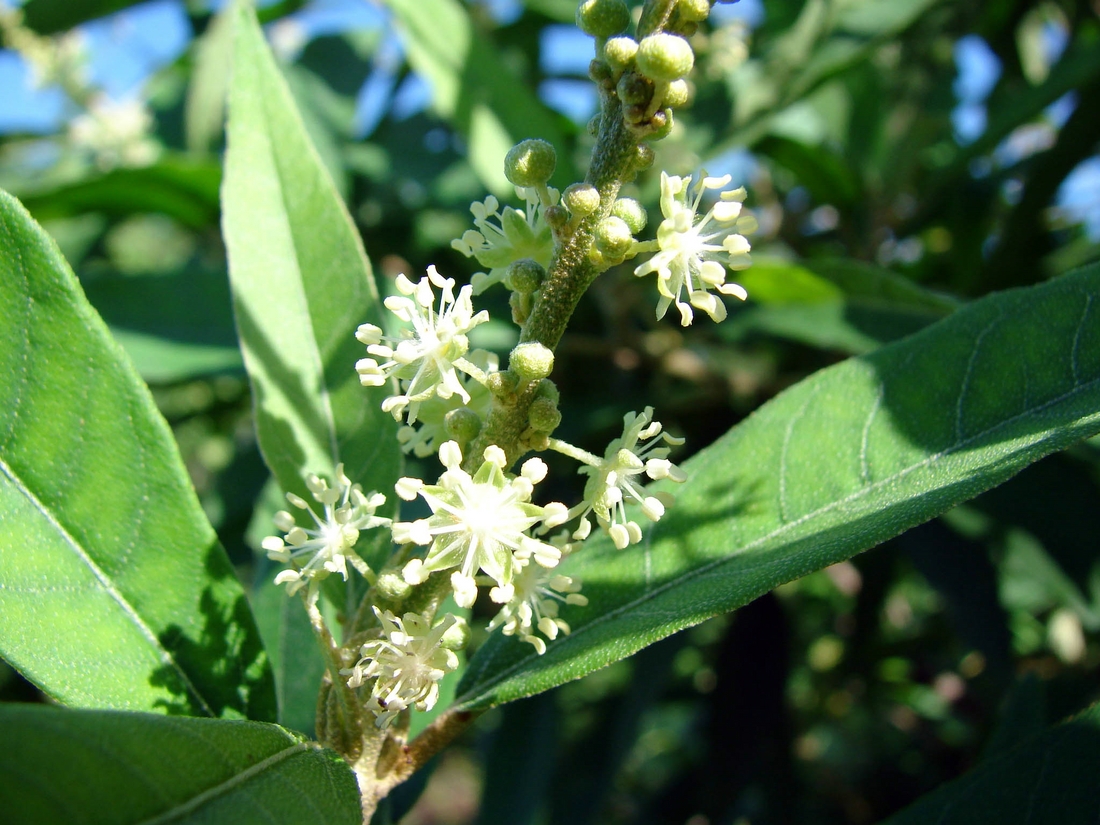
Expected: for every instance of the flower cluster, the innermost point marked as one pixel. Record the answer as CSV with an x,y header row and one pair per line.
x,y
329,546
407,662
536,594
478,523
425,358
694,253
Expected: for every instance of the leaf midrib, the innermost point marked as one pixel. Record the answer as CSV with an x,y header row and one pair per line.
x,y
163,654
484,690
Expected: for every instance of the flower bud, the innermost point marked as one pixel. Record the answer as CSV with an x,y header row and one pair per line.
x,y
531,361
530,163
613,237
634,90
525,275
503,385
693,10
457,636
646,157
677,93
632,213
664,57
462,424
599,72
543,415
619,52
393,586
603,18
581,199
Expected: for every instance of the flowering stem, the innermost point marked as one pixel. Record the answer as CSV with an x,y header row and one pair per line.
x,y
339,720
575,453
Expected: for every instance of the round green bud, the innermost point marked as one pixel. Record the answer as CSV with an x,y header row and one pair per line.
x,y
393,586
631,212
457,636
619,52
603,18
677,93
613,237
694,10
530,163
462,424
531,361
645,158
525,275
548,389
634,90
581,198
543,415
556,216
664,57
503,385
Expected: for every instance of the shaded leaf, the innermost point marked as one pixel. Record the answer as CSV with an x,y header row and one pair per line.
x,y
301,286
114,589
853,455
1050,779
111,768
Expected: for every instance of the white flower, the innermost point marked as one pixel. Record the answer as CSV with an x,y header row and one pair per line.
x,y
534,605
424,359
116,132
406,663
478,522
430,431
694,254
329,545
503,237
615,479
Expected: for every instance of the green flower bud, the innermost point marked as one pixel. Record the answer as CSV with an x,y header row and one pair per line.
x,y
632,213
645,158
531,361
462,424
693,10
543,415
548,389
619,52
634,90
600,72
525,275
581,199
603,18
555,216
677,93
664,57
530,163
503,385
393,586
613,237
457,636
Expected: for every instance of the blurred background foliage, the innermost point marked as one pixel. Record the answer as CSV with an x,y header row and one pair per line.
x,y
903,157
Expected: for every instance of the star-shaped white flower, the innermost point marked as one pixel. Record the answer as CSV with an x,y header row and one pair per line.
x,y
329,544
424,358
616,479
505,236
694,253
407,662
478,522
534,605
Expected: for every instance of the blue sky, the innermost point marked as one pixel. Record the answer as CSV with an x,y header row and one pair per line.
x,y
126,48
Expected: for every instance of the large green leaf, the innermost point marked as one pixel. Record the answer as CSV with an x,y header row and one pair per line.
x,y
113,587
301,285
853,455
109,768
1048,779
473,88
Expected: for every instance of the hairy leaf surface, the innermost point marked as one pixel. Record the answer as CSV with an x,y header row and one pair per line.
x,y
848,458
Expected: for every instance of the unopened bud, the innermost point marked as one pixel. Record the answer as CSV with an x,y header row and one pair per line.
x,y
603,18
531,361
457,636
613,237
693,10
581,199
393,586
634,90
677,93
530,163
631,212
525,275
664,57
619,52
543,415
462,424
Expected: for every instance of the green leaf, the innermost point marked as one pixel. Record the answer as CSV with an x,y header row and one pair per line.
x,y
295,653
181,188
1050,779
848,458
71,767
301,286
53,16
175,326
473,88
114,589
